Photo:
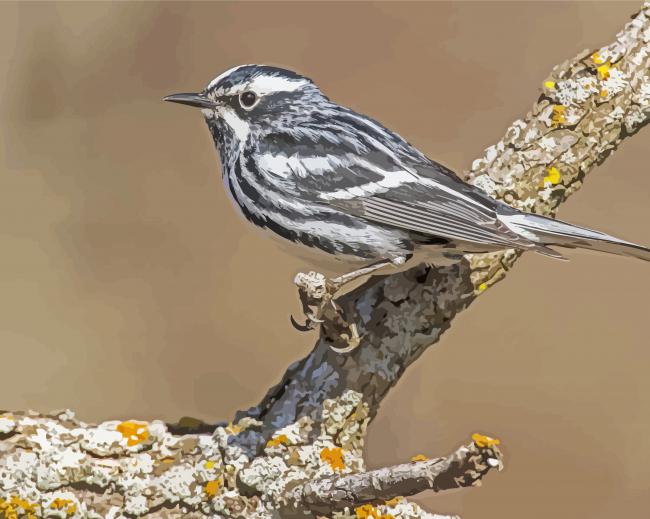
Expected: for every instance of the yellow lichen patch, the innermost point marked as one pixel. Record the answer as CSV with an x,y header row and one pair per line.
x,y
549,84
281,439
134,432
212,487
604,92
558,116
595,57
419,457
233,428
484,441
482,287
333,457
603,71
393,502
553,177
209,464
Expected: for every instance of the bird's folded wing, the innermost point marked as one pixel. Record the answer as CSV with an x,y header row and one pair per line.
x,y
380,185
425,209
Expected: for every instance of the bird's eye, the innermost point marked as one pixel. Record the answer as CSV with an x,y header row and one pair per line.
x,y
247,100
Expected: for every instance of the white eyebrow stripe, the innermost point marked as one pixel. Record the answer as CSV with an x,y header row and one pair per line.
x,y
264,84
261,85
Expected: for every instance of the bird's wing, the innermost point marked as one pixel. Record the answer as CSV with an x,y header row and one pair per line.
x,y
368,179
428,206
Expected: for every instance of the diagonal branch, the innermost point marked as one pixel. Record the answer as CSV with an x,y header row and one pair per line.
x,y
587,106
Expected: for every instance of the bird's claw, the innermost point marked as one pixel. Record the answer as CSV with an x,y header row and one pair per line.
x,y
307,326
311,322
351,340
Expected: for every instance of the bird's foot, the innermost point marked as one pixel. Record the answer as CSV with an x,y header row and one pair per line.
x,y
316,293
320,308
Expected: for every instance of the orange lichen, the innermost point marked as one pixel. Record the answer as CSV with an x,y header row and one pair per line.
x,y
484,441
212,487
419,457
370,512
366,512
67,504
393,502
281,439
22,503
333,457
134,432
558,116
7,509
17,507
59,503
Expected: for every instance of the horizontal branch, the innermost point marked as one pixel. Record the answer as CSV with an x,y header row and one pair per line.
x,y
57,466
463,468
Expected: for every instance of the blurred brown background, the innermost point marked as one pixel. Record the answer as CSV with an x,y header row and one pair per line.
x,y
130,288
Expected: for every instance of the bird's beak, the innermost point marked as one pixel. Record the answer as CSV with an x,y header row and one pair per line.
x,y
197,100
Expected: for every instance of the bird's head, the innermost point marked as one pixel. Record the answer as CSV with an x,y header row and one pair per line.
x,y
252,98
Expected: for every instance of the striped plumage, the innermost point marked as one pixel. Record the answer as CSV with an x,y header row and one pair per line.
x,y
323,176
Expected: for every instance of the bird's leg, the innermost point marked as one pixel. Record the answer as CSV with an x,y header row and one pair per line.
x,y
316,291
339,282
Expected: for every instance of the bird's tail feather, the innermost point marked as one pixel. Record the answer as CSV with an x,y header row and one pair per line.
x,y
556,232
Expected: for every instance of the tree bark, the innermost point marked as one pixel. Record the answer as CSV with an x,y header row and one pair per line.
x,y
299,451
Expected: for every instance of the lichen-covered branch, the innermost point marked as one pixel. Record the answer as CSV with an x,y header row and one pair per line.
x,y
463,468
299,452
56,466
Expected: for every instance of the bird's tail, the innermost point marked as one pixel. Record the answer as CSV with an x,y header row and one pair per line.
x,y
548,231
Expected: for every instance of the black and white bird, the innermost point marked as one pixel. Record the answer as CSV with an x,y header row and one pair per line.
x,y
339,183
